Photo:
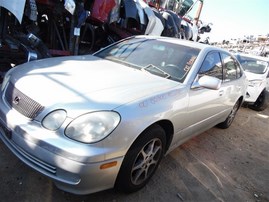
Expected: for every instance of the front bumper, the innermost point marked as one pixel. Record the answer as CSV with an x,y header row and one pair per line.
x,y
253,93
65,166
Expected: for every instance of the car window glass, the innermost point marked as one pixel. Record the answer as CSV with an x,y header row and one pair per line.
x,y
230,67
212,66
238,69
154,56
253,65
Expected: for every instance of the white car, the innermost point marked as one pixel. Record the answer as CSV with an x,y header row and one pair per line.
x,y
257,72
99,121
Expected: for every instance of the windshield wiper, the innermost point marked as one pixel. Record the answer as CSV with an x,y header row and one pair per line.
x,y
156,70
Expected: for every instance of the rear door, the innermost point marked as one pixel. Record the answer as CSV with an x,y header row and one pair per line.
x,y
232,82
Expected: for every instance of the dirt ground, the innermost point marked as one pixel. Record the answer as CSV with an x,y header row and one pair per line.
x,y
218,165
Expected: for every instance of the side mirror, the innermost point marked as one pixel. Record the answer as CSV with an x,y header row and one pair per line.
x,y
209,82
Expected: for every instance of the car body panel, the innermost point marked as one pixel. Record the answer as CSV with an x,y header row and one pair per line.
x,y
255,90
51,75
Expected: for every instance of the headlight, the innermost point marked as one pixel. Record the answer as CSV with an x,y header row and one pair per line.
x,y
5,81
255,83
54,120
92,127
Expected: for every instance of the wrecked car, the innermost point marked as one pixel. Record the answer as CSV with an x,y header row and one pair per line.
x,y
95,122
257,72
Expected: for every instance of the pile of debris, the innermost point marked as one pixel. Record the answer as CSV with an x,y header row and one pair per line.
x,y
35,29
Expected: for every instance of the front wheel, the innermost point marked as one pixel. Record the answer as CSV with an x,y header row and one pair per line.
x,y
142,160
261,102
227,123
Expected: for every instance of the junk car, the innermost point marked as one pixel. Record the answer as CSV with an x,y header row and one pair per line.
x,y
257,72
95,122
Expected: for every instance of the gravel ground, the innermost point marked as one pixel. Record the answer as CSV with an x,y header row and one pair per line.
x,y
218,165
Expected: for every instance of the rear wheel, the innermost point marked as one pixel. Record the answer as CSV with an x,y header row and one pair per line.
x,y
230,118
261,102
142,160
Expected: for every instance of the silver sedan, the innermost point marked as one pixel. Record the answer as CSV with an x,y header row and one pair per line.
x,y
105,120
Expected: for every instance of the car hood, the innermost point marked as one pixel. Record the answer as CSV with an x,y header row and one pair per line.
x,y
252,76
85,81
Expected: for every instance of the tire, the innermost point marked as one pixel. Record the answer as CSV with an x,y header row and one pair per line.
x,y
228,122
261,102
142,160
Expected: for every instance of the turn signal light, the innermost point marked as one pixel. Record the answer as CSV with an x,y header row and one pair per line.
x,y
108,165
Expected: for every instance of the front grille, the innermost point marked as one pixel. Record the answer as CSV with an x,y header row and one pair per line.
x,y
21,102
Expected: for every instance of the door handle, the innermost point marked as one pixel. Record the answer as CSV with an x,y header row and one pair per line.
x,y
221,92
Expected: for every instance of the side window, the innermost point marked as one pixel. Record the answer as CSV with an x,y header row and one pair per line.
x,y
212,66
239,69
231,68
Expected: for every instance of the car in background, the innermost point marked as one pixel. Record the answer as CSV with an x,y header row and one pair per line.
x,y
105,120
257,72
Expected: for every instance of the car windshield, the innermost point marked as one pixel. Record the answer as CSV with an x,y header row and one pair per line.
x,y
253,65
165,59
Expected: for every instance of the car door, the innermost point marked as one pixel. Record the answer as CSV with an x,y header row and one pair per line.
x,y
232,84
207,106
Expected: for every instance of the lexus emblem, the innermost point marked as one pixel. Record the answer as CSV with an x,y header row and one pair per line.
x,y
16,100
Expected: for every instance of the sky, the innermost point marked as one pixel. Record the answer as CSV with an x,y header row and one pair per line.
x,y
235,18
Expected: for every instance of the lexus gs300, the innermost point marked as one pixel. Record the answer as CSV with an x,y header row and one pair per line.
x,y
94,122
